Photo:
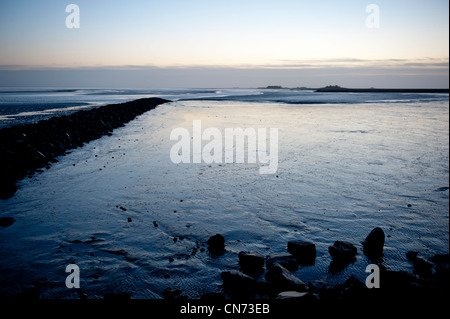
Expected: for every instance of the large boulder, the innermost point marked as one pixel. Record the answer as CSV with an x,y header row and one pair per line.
x,y
374,243
6,221
251,262
421,267
342,251
237,282
216,243
303,251
281,279
286,260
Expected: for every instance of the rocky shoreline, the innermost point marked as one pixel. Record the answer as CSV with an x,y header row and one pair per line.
x,y
24,149
276,282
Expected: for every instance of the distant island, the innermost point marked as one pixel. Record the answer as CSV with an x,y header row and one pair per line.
x,y
337,88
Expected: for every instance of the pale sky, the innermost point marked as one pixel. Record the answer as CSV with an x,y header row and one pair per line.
x,y
313,42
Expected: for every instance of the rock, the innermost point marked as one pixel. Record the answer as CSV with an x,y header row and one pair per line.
x,y
317,286
354,289
286,260
216,243
400,282
411,255
342,251
251,262
440,258
237,282
281,279
374,243
303,251
6,221
421,267
171,293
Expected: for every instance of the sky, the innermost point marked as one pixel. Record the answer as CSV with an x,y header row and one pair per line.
x,y
204,43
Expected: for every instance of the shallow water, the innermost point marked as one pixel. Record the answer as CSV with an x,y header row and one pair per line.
x,y
343,170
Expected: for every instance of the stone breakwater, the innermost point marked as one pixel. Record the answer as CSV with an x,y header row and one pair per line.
x,y
24,149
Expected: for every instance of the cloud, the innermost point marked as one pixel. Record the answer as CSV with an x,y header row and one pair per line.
x,y
394,63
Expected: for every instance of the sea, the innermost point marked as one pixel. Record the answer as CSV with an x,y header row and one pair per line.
x,y
135,221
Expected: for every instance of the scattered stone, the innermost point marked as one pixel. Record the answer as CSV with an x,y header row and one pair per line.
x,y
216,243
411,255
440,258
6,221
172,293
171,259
281,279
155,224
353,288
342,251
374,243
237,282
251,262
303,251
286,260
317,286
123,208
421,267
129,219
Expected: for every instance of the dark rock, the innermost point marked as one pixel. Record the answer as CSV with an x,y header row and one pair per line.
x,y
421,267
216,243
400,283
353,289
281,279
6,221
342,251
374,243
440,258
286,260
303,251
411,255
237,282
171,293
251,262
129,219
317,286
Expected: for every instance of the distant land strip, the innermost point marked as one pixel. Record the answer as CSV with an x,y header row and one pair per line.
x,y
26,148
337,88
373,90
